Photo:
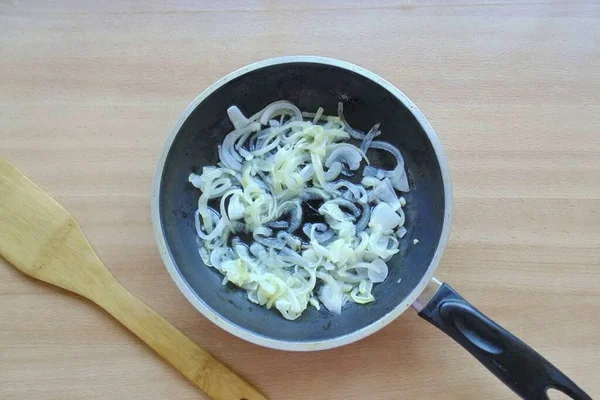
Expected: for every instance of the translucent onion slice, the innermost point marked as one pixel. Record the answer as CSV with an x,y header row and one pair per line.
x,y
236,117
385,193
354,133
384,218
347,154
372,134
280,108
397,175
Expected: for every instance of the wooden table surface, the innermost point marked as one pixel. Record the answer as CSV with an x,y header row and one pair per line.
x,y
89,91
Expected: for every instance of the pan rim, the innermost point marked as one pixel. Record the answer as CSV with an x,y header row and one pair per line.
x,y
251,336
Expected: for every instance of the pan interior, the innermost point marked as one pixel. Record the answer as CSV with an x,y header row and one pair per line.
x,y
308,85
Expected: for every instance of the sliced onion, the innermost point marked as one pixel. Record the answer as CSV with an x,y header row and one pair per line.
x,y
397,175
229,160
278,224
362,298
229,144
334,171
377,173
235,210
347,277
384,192
196,180
376,144
348,205
262,236
322,233
292,241
383,246
377,269
318,167
315,194
332,210
401,232
205,256
224,213
308,172
384,218
364,219
265,146
318,115
290,254
399,180
215,232
294,209
354,133
209,224
373,133
258,251
236,117
380,272
331,294
280,108
346,171
219,254
347,154
356,192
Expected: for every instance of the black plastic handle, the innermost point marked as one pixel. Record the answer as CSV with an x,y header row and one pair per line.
x,y
520,367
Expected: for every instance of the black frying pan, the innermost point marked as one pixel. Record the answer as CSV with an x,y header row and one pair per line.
x,y
310,82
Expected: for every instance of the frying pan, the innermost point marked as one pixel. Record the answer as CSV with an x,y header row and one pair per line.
x,y
312,82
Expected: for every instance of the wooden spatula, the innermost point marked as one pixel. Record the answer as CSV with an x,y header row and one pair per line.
x,y
40,238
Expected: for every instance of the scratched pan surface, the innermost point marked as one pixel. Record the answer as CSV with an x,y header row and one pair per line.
x,y
309,82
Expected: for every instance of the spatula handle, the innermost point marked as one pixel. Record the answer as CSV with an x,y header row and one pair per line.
x,y
214,378
40,238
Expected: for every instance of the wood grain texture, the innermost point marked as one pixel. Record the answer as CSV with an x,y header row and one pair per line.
x,y
42,240
89,91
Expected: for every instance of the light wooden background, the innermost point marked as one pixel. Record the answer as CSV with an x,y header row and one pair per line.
x,y
90,89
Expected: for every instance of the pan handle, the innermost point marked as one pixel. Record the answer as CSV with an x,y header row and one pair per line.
x,y
516,364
